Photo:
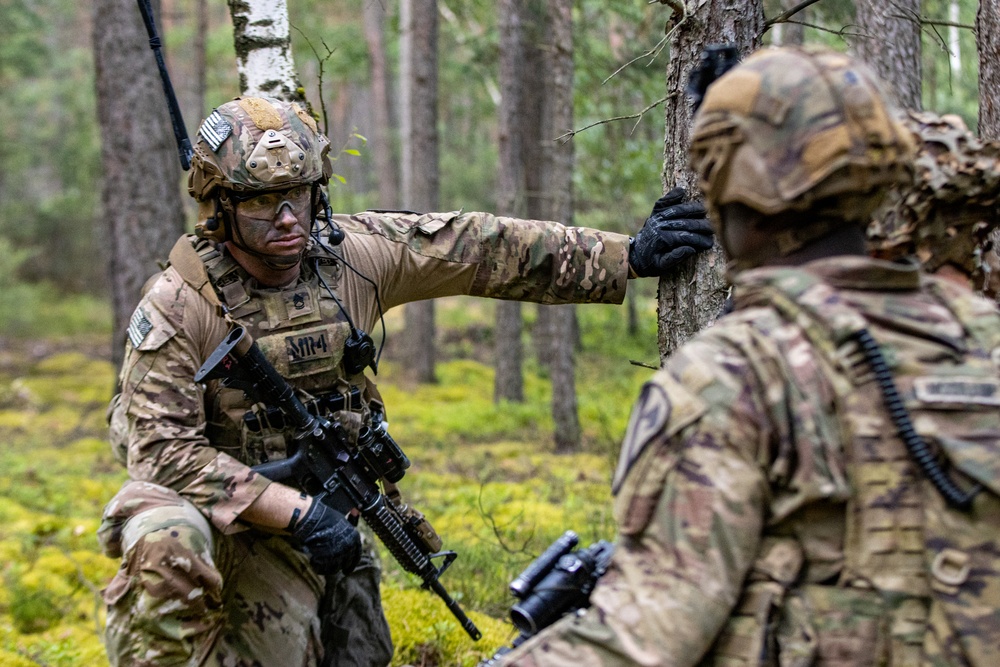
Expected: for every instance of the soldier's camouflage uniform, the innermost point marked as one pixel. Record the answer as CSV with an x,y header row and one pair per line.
x,y
769,514
948,215
196,585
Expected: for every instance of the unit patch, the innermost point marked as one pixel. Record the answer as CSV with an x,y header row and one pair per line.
x,y
139,327
307,347
649,415
297,302
215,130
978,391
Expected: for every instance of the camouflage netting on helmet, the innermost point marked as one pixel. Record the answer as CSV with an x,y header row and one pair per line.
x,y
254,143
946,216
799,130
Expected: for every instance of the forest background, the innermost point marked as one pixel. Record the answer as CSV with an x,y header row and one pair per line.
x,y
485,473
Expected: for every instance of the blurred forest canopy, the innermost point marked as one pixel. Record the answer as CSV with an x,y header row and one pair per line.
x,y
50,174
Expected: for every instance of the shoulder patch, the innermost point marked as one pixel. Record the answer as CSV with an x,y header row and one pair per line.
x,y
649,416
215,130
139,327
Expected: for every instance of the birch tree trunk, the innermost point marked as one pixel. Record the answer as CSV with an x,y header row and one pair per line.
x,y
420,175
988,45
508,382
264,50
693,297
140,196
890,45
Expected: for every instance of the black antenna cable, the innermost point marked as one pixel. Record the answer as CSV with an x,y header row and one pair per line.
x,y
180,132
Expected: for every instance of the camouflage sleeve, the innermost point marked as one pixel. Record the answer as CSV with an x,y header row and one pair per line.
x,y
690,506
164,407
479,254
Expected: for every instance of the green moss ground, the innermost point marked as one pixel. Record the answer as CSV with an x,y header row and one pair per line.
x,y
484,474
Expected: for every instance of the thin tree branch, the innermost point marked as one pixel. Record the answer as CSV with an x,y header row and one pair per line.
x,y
566,136
785,15
948,24
321,62
653,52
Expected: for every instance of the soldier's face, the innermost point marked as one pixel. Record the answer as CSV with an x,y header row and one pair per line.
x,y
276,223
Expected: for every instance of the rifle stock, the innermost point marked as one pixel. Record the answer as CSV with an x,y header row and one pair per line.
x,y
320,455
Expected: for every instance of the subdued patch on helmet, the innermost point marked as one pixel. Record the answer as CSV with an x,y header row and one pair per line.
x,y
215,130
263,115
306,118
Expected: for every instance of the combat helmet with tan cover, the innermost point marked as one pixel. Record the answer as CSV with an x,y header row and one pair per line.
x,y
249,146
803,136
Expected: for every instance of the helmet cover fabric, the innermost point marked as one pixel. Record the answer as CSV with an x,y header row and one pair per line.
x,y
799,129
254,143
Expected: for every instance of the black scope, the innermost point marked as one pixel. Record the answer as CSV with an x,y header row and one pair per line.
x,y
381,453
565,588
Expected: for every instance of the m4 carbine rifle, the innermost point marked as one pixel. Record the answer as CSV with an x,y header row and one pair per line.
x,y
557,583
321,461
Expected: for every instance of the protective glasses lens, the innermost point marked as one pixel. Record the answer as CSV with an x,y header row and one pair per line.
x,y
267,205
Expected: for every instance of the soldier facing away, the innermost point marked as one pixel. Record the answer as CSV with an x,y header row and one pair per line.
x,y
219,565
815,480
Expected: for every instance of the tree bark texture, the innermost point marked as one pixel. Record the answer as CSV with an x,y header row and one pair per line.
x,y
890,45
140,192
557,119
988,45
693,296
381,140
420,165
200,65
508,381
264,50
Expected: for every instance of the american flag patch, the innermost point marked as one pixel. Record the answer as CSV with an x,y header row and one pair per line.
x,y
138,327
215,130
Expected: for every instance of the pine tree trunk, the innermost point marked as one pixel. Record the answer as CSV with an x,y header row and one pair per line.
x,y
200,75
418,70
264,50
988,45
791,32
558,118
890,45
140,196
692,298
508,383
381,140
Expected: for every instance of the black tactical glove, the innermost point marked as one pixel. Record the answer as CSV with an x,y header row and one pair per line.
x,y
332,543
673,232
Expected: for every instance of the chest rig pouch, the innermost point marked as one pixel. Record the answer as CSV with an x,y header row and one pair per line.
x,y
302,332
920,582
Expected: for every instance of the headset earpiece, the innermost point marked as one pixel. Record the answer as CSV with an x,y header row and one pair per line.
x,y
211,220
